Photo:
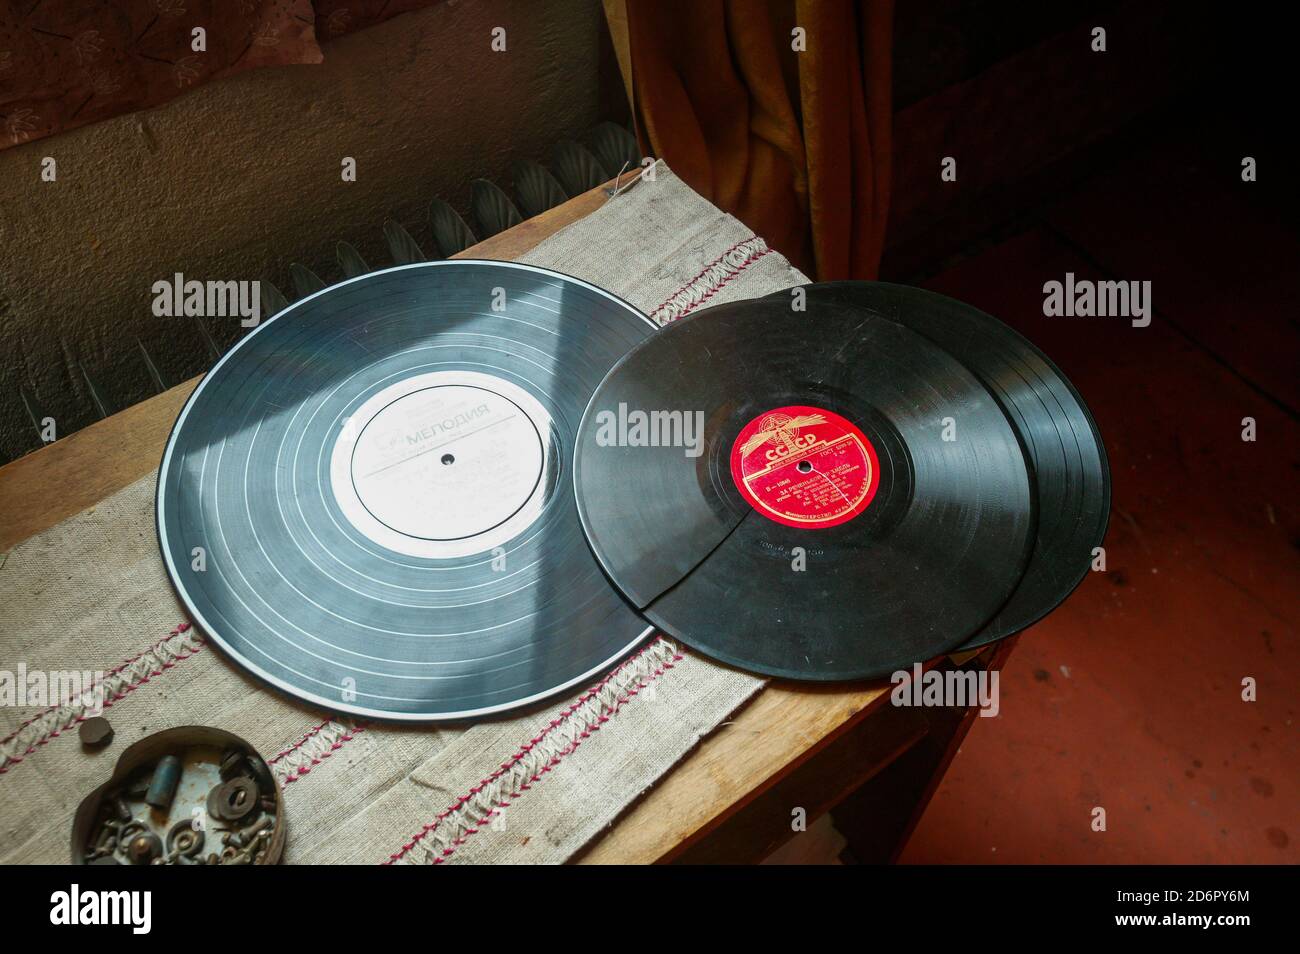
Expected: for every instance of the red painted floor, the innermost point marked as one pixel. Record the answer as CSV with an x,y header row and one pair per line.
x,y
1129,697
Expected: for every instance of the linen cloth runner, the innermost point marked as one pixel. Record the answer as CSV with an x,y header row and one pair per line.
x,y
91,594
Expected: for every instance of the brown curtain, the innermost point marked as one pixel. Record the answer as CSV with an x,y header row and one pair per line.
x,y
793,143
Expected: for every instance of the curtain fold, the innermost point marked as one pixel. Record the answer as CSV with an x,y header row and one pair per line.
x,y
777,111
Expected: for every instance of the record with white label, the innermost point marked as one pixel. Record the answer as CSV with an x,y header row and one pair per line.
x,y
367,502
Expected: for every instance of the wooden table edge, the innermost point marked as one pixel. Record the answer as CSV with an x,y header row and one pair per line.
x,y
73,474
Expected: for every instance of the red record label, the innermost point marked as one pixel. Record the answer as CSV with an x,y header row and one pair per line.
x,y
805,467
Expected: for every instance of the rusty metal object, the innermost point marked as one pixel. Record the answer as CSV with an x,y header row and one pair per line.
x,y
237,799
95,732
117,825
234,762
144,848
185,840
262,773
120,809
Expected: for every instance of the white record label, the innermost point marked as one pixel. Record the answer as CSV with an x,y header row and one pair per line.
x,y
444,464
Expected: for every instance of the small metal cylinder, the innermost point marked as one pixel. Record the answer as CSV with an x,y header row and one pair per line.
x,y
162,787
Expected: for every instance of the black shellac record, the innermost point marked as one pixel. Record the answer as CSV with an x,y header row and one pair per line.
x,y
1066,454
859,501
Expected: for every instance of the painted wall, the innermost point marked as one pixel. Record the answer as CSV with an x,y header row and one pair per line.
x,y
242,176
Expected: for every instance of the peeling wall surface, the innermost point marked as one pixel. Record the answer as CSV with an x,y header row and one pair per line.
x,y
242,176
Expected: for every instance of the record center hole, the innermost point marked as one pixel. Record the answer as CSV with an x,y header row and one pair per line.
x,y
448,459
804,467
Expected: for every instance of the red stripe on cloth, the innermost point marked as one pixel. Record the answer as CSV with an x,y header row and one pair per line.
x,y
78,715
528,746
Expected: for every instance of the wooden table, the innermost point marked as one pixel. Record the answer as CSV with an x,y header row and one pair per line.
x,y
732,798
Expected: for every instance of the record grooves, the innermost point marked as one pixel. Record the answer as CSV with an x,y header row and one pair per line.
x,y
828,530
1064,449
368,503
451,489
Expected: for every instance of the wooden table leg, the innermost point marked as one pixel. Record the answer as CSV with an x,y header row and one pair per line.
x,y
879,817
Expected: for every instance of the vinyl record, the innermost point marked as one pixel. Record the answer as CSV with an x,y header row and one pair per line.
x,y
367,501
1065,450
821,495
